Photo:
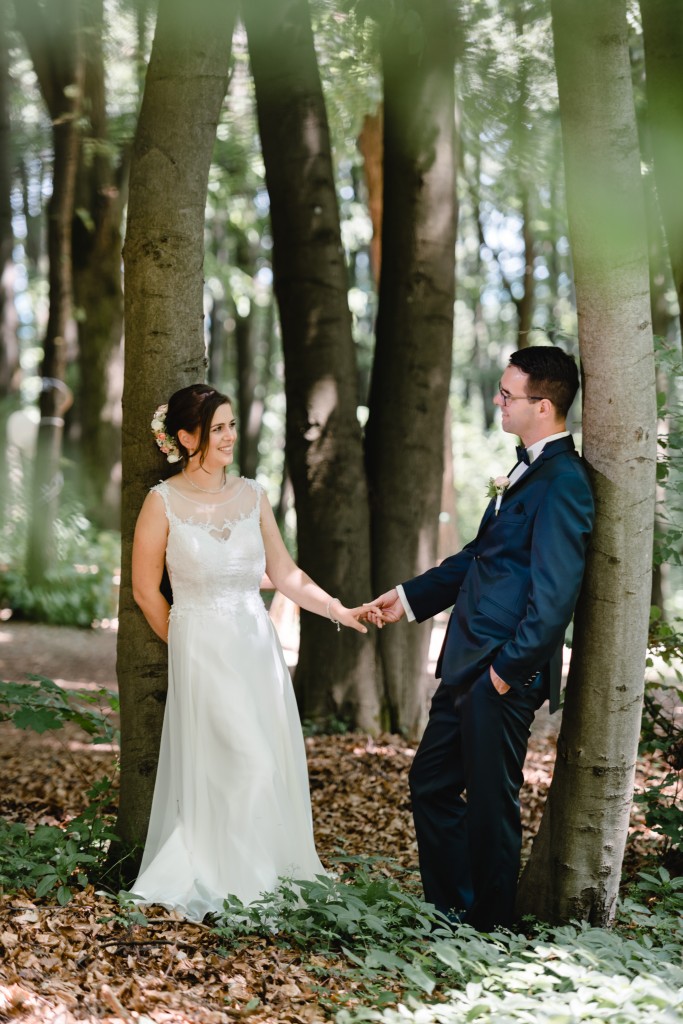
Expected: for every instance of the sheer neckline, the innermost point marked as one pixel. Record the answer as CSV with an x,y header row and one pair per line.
x,y
208,504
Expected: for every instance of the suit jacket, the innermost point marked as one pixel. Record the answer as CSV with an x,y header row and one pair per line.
x,y
514,587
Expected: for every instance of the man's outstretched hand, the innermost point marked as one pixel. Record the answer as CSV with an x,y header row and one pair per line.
x,y
386,608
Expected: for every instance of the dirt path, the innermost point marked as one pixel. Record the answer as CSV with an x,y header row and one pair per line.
x,y
69,656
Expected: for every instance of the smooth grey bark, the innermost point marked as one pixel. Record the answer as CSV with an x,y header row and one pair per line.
x,y
412,367
165,349
336,672
575,865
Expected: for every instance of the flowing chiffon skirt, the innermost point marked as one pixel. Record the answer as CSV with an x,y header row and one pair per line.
x,y
231,810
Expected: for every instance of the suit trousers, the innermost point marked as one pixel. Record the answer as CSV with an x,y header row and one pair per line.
x,y
469,849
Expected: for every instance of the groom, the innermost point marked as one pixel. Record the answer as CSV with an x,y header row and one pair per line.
x,y
513,590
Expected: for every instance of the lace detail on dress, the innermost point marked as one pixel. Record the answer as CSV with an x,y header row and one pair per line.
x,y
215,560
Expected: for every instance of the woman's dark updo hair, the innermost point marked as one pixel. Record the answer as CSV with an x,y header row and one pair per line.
x,y
191,408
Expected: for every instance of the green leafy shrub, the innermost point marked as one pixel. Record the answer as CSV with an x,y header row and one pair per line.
x,y
662,737
40,704
48,858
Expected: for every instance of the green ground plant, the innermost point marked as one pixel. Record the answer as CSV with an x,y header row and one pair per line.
x,y
399,960
662,739
48,858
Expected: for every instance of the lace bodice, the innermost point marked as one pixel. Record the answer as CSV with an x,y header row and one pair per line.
x,y
214,552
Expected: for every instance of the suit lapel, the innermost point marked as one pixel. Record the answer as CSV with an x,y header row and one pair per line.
x,y
562,444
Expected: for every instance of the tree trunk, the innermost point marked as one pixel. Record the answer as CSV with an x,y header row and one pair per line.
x,y
336,672
522,142
100,197
165,350
663,40
370,144
412,368
249,344
53,39
32,182
525,303
575,865
9,351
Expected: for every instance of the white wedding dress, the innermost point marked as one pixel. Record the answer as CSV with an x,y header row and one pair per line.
x,y
231,811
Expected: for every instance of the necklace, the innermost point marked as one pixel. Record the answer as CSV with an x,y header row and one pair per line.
x,y
206,490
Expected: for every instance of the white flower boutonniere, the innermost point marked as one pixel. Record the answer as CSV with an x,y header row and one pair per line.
x,y
497,489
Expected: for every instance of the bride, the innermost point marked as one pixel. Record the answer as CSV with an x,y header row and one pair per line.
x,y
231,810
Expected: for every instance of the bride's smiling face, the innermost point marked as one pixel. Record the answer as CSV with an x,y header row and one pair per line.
x,y
218,452
222,437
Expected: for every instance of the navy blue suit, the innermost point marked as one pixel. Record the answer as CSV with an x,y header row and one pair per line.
x,y
513,591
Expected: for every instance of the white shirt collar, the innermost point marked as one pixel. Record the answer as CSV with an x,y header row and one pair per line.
x,y
537,447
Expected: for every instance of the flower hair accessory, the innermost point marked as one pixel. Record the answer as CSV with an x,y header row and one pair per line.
x,y
497,489
165,441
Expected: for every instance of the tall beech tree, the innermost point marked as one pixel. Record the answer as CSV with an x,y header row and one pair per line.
x,y
163,254
53,39
412,367
336,674
575,865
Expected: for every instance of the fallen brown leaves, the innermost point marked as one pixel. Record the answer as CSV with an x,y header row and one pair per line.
x,y
82,962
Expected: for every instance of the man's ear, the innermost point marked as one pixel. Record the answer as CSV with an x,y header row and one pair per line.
x,y
549,411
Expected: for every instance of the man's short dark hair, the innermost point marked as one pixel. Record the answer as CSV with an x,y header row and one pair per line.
x,y
552,374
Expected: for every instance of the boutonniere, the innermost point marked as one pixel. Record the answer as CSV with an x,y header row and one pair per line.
x,y
497,489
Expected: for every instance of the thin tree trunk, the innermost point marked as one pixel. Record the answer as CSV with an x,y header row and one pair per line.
x,y
9,349
663,40
370,143
336,672
524,303
575,865
249,376
412,368
662,322
53,39
217,342
101,194
165,349
33,241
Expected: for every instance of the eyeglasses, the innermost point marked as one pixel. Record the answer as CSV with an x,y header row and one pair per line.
x,y
507,397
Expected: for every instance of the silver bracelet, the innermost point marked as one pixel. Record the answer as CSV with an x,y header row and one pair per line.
x,y
329,615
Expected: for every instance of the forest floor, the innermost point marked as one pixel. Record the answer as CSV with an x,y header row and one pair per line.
x,y
82,962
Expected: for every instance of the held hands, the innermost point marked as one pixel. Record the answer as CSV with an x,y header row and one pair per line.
x,y
386,608
350,617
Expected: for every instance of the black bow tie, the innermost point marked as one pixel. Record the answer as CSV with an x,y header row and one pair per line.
x,y
523,455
